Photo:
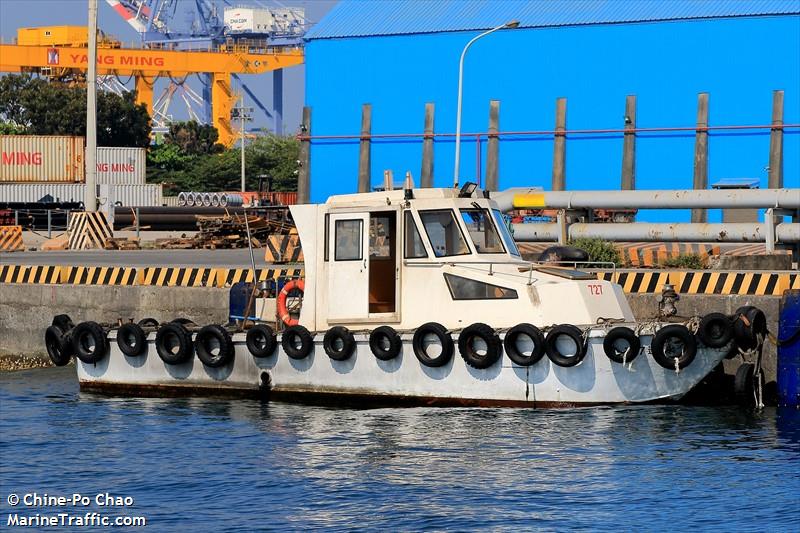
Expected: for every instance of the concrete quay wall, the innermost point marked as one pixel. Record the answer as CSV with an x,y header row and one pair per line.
x,y
27,309
646,305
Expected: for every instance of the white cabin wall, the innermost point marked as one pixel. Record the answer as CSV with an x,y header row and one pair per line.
x,y
307,221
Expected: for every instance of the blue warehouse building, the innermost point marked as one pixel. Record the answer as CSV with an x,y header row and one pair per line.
x,y
398,55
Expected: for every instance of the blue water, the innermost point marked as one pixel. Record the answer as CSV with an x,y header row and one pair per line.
x,y
243,465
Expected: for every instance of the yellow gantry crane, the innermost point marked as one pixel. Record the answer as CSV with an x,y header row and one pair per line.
x,y
61,51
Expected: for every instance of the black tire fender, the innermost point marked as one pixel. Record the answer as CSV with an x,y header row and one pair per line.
x,y
384,343
60,352
63,322
186,322
626,336
348,343
131,340
261,340
669,334
433,328
214,346
297,333
148,323
90,342
715,330
512,350
493,345
174,343
749,322
744,384
551,345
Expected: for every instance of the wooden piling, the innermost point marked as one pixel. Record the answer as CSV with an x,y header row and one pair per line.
x,y
775,180
304,174
493,148
629,145
426,176
364,151
701,154
560,147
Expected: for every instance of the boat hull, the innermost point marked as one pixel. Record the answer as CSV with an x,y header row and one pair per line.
x,y
366,381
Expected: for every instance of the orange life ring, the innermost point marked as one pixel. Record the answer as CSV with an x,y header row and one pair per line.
x,y
283,311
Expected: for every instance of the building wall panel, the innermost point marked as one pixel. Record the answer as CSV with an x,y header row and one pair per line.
x,y
738,61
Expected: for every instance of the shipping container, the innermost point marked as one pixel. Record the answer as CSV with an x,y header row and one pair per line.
x,y
131,195
126,195
248,20
41,158
170,201
39,192
121,166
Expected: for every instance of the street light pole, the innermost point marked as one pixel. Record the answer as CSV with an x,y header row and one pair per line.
x,y
242,117
90,158
507,25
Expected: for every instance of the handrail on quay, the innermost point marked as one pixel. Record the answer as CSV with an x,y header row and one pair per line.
x,y
532,198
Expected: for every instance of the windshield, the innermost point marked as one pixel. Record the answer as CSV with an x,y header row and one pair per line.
x,y
507,238
443,232
482,232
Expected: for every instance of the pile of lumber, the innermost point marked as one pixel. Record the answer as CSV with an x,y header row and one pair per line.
x,y
121,243
229,231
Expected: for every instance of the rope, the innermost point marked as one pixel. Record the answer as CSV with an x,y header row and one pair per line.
x,y
693,324
758,389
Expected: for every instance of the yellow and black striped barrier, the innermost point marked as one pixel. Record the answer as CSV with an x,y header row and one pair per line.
x,y
46,274
88,230
96,275
228,276
141,276
632,281
709,282
178,277
11,239
283,249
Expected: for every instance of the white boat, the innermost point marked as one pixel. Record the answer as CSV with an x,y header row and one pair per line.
x,y
416,297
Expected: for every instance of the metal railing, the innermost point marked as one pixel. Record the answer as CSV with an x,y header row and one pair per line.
x,y
531,265
51,220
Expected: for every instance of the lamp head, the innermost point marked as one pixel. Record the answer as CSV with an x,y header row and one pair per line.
x,y
513,24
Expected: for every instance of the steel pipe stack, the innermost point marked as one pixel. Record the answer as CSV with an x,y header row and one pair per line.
x,y
521,198
640,231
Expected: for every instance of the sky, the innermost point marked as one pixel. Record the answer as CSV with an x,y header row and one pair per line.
x,y
27,13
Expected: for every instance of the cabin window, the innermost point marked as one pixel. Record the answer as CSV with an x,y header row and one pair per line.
x,y
414,248
444,233
482,231
348,240
470,289
507,238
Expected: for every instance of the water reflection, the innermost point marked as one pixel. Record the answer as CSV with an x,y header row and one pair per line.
x,y
244,465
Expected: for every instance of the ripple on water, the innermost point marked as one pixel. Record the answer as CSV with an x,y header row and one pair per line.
x,y
243,465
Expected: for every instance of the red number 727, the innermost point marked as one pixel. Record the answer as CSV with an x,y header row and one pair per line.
x,y
595,290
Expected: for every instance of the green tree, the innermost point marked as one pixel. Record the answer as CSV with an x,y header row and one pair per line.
x,y
194,138
268,155
275,156
53,108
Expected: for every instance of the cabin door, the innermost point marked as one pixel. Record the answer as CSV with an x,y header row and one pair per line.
x,y
348,280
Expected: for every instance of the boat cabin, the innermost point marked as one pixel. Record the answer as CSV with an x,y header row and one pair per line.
x,y
406,257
